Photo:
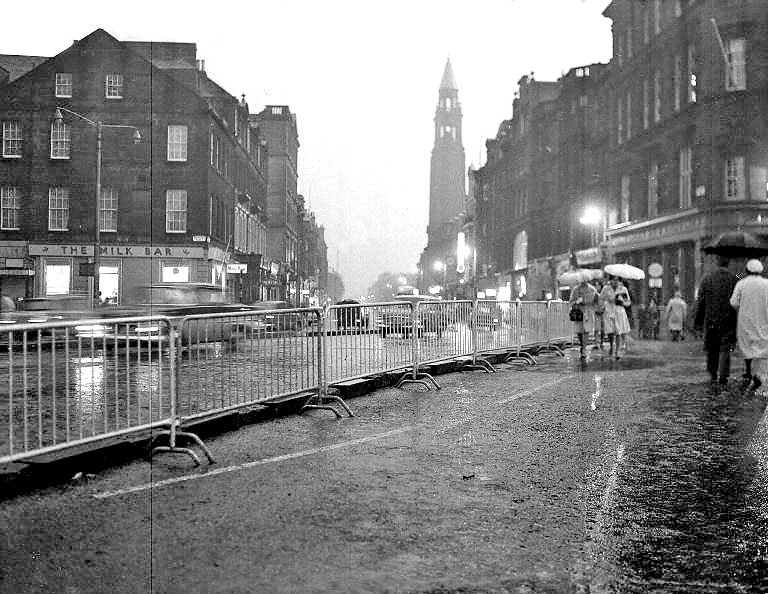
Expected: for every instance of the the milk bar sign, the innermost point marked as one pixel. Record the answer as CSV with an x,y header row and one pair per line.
x,y
117,251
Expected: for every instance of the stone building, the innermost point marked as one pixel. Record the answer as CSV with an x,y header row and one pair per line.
x,y
180,205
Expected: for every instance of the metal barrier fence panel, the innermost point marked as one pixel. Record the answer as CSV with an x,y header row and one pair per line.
x,y
227,361
443,330
533,322
496,325
560,327
70,383
367,339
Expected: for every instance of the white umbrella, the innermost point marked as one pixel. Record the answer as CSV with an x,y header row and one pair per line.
x,y
574,277
624,271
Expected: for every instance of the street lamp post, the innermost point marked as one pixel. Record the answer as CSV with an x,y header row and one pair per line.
x,y
93,277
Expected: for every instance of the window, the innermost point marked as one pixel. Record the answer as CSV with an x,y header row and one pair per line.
x,y
620,120
176,211
60,140
646,109
646,24
656,96
734,178
58,209
210,150
758,183
736,70
114,86
177,143
63,84
629,43
676,82
57,279
625,196
9,207
108,209
174,274
653,190
678,8
691,74
685,178
620,50
12,139
657,16
629,114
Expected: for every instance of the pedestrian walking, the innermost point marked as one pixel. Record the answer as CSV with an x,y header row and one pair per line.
x,y
677,310
584,296
750,299
599,324
612,299
715,316
653,319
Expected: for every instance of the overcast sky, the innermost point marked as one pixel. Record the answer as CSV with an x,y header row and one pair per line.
x,y
362,77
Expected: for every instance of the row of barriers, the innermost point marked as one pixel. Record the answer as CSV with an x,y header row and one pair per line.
x,y
69,384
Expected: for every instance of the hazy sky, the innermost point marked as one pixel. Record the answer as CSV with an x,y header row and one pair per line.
x,y
362,77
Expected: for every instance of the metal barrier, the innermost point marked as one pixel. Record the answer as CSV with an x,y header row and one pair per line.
x,y
67,384
71,383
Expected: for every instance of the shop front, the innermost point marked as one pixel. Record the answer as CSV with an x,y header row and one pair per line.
x,y
63,269
17,272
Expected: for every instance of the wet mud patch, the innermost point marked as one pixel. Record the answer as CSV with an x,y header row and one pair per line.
x,y
595,361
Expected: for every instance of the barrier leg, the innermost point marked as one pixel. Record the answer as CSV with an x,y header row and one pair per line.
x,y
320,401
172,448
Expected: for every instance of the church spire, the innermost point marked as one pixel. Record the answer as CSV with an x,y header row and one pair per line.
x,y
448,82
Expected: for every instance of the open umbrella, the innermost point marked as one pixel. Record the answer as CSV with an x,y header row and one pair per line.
x,y
574,277
624,271
737,244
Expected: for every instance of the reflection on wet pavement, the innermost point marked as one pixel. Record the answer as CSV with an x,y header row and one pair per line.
x,y
682,518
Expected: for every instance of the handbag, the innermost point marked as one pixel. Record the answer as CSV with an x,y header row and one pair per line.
x,y
576,314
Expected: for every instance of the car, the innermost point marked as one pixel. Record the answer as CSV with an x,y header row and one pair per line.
x,y
274,321
488,315
177,300
49,309
429,316
350,317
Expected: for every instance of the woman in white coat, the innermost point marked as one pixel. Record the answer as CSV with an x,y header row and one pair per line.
x,y
750,299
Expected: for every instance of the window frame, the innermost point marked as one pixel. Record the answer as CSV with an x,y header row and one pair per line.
x,y
61,194
115,85
685,179
653,190
656,97
176,215
12,141
10,212
736,72
176,147
61,140
734,178
108,205
57,85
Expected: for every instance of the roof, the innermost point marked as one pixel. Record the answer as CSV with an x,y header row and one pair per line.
x,y
448,82
17,66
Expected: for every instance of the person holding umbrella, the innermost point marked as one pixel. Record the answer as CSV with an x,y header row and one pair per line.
x,y
714,314
585,297
750,299
613,299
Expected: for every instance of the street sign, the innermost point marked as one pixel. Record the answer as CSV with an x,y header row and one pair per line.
x,y
237,268
655,270
654,283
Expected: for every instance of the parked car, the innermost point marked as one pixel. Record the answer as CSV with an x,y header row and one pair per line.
x,y
350,317
430,316
177,300
275,321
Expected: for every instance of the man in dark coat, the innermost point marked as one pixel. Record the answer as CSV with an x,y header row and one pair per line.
x,y
717,318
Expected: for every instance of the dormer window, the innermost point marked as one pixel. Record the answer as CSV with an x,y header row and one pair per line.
x,y
113,86
63,84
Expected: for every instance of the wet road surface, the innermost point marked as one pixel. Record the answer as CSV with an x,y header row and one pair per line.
x,y
628,476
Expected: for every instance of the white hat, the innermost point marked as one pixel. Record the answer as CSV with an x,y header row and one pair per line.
x,y
754,266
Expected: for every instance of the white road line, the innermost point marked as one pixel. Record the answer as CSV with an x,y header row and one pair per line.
x,y
328,448
236,467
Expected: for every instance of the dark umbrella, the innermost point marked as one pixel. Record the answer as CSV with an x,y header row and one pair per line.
x,y
737,244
